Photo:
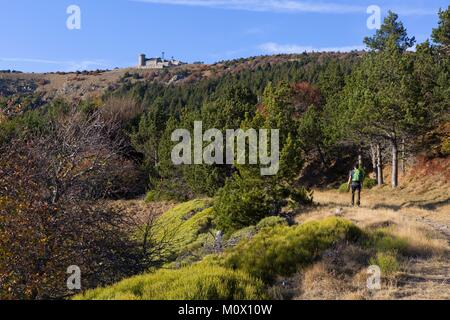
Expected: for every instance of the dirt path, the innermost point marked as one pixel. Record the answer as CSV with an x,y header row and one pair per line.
x,y
421,278
437,217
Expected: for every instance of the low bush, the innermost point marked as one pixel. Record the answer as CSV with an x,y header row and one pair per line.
x,y
150,197
185,228
382,241
271,222
387,261
282,250
240,235
445,146
300,197
407,240
201,281
369,183
243,202
343,188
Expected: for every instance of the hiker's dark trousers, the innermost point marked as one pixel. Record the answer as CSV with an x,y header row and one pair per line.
x,y
356,189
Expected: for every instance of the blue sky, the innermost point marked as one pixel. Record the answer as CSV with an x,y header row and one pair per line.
x,y
35,36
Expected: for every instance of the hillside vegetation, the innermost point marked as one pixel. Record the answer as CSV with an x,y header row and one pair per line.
x,y
323,255
87,177
236,273
197,282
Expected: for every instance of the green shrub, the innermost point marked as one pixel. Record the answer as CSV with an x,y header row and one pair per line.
x,y
150,196
369,183
187,226
244,202
181,233
240,235
382,241
167,190
202,281
300,196
249,232
32,121
386,247
343,188
387,261
271,222
445,146
282,250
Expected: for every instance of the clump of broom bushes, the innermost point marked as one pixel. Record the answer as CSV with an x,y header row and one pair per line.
x,y
201,281
240,273
282,250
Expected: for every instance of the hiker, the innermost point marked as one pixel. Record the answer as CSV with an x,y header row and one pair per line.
x,y
355,181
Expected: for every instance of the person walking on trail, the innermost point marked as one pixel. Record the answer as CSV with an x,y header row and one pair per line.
x,y
355,181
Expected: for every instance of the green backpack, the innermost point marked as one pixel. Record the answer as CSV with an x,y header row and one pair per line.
x,y
357,175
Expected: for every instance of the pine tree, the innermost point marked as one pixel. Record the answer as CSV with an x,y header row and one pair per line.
x,y
441,34
390,30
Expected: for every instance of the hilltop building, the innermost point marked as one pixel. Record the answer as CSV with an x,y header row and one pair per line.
x,y
157,63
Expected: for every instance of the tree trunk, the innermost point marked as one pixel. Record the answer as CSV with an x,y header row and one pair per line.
x,y
373,154
394,163
380,178
403,164
360,162
322,157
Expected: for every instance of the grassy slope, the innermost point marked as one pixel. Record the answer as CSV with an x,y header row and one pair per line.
x,y
410,239
187,226
236,273
397,230
197,282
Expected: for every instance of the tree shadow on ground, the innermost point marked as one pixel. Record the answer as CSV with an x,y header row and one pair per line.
x,y
431,205
421,204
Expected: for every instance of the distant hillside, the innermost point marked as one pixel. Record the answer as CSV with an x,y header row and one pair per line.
x,y
23,91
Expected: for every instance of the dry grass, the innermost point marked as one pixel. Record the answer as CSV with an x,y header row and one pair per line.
x,y
422,241
420,222
142,210
319,283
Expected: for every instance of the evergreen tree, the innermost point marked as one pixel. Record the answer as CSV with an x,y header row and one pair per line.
x,y
310,133
148,134
393,30
380,101
441,34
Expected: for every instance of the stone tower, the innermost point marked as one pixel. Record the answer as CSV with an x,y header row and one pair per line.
x,y
142,60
